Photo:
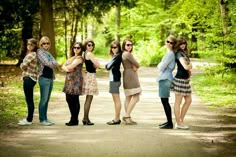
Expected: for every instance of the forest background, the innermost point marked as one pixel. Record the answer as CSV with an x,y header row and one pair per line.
x,y
208,25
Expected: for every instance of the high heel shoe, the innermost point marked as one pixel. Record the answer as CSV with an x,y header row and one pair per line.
x,y
87,122
128,121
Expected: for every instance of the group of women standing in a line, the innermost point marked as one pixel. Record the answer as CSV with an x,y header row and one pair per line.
x,y
75,84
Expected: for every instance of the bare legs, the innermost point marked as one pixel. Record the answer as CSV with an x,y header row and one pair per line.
x,y
117,103
180,113
130,102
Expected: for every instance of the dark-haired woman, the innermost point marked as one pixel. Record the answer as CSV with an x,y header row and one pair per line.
x,y
115,75
29,75
131,83
181,84
90,87
73,82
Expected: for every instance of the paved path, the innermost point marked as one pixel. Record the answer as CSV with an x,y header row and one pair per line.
x,y
209,136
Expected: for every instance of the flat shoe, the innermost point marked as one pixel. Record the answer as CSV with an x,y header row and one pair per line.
x,y
167,126
113,122
163,124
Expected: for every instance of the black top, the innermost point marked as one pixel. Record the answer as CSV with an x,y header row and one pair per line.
x,y
114,66
89,65
181,72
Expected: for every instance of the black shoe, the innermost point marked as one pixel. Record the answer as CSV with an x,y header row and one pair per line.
x,y
113,122
71,123
167,126
163,124
87,122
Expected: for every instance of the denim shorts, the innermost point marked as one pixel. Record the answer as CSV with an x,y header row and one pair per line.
x,y
164,88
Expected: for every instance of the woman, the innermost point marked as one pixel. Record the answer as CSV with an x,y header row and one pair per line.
x,y
46,77
165,68
181,84
29,75
74,82
90,87
131,83
115,75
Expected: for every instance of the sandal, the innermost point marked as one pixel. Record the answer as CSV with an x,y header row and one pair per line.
x,y
129,122
113,122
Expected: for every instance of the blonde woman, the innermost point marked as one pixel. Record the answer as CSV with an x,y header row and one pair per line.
x,y
46,76
165,68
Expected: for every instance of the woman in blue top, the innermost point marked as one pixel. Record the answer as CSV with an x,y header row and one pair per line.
x,y
165,68
115,75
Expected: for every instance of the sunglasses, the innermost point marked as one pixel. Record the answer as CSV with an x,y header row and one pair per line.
x,y
129,45
114,47
90,45
77,48
183,43
45,43
169,42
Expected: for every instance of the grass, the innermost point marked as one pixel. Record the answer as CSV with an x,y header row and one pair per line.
x,y
215,90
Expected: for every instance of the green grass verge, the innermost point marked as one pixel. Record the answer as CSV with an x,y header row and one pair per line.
x,y
215,90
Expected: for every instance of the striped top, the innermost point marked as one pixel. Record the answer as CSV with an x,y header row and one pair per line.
x,y
29,66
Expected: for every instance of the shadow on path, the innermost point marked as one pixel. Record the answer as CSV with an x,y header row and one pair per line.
x,y
212,133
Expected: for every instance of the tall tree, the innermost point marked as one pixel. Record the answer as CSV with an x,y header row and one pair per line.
x,y
47,23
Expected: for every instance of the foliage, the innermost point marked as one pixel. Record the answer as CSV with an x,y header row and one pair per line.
x,y
215,90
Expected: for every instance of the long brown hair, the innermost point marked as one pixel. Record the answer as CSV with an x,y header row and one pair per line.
x,y
124,43
115,43
72,53
181,40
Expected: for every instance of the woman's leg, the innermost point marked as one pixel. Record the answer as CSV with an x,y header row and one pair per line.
x,y
127,101
28,86
178,101
45,86
117,103
167,108
87,105
132,103
188,101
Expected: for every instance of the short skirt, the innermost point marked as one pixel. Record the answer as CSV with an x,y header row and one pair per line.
x,y
181,86
114,87
90,86
164,88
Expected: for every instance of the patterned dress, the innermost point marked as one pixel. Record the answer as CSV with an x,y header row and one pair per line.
x,y
74,80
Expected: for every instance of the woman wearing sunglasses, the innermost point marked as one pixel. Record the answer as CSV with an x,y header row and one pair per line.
x,y
131,83
90,87
46,76
29,76
181,83
115,75
73,82
165,68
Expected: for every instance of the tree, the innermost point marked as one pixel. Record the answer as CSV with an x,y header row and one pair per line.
x,y
47,23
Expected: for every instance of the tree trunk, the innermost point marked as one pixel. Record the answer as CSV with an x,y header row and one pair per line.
x,y
46,24
224,16
27,32
65,29
117,14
